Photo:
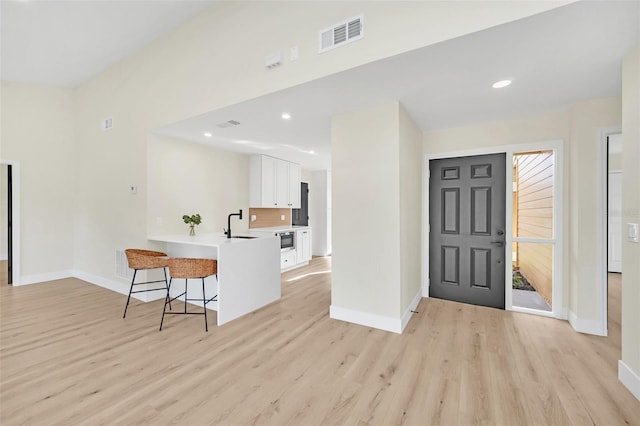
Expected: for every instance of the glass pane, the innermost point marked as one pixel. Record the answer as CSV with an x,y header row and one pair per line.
x,y
533,275
533,194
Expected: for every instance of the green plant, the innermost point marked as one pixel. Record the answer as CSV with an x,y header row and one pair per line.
x,y
194,219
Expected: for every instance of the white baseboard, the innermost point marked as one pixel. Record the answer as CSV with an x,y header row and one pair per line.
x,y
117,286
363,318
586,326
628,378
406,317
40,278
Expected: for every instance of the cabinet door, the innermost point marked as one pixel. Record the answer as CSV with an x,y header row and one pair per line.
x,y
268,184
306,245
282,184
294,185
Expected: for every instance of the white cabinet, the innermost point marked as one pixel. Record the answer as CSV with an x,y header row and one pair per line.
x,y
273,182
303,245
287,259
294,186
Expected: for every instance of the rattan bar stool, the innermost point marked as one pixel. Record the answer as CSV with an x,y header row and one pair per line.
x,y
190,269
143,260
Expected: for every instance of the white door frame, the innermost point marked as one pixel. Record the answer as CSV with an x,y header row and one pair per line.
x,y
15,224
557,240
602,224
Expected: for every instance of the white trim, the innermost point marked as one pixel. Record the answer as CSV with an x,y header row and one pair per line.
x,y
116,286
533,311
42,278
629,378
406,317
557,146
586,326
601,223
15,177
380,322
425,227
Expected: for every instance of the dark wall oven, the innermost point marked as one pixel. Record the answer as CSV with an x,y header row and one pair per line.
x,y
287,240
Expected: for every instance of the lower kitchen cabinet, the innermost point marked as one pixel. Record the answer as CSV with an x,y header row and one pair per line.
x,y
287,259
297,256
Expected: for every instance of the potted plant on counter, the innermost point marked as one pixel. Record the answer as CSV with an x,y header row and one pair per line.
x,y
192,221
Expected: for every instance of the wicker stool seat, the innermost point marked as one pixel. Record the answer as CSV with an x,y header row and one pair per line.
x,y
139,260
190,269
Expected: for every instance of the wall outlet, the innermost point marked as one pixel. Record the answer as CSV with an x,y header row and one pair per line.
x,y
281,217
294,53
107,123
253,218
158,220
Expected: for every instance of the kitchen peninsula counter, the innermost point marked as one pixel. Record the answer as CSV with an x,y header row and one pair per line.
x,y
248,271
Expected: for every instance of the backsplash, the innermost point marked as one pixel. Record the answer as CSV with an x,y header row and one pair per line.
x,y
266,218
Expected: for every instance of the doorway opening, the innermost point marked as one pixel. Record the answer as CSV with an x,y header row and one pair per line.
x,y
6,240
614,236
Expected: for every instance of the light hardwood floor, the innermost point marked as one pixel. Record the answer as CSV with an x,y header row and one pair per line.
x,y
68,357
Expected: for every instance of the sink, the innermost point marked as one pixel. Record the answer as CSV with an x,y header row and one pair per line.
x,y
246,237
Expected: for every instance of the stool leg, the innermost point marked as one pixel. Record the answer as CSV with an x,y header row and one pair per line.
x,y
130,289
204,306
167,284
165,305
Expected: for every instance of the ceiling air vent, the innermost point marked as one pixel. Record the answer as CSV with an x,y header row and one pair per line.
x,y
229,123
340,34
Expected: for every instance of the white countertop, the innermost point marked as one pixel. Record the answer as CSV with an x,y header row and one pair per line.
x,y
214,239
278,229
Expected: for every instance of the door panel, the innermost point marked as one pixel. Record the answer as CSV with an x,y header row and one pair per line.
x,y
467,222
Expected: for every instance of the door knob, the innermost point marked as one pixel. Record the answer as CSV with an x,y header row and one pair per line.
x,y
500,232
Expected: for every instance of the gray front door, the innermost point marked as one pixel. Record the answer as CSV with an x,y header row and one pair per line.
x,y
467,229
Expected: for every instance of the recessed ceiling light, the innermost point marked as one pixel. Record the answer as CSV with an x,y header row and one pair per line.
x,y
286,116
500,84
312,152
207,134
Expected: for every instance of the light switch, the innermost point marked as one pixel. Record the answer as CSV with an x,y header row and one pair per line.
x,y
253,218
632,232
281,217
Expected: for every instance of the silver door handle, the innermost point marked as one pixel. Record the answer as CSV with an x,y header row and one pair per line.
x,y
499,243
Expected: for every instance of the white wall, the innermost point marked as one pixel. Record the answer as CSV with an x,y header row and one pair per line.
x,y
586,120
38,131
376,197
365,161
410,190
189,178
319,213
631,214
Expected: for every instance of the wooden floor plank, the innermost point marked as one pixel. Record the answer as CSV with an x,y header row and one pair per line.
x,y
68,357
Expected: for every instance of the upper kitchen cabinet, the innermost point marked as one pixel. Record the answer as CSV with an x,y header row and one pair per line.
x,y
273,182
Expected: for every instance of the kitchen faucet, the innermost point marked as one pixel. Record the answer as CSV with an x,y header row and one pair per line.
x,y
228,231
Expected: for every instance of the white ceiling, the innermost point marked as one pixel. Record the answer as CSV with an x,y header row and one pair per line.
x,y
554,59
64,43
